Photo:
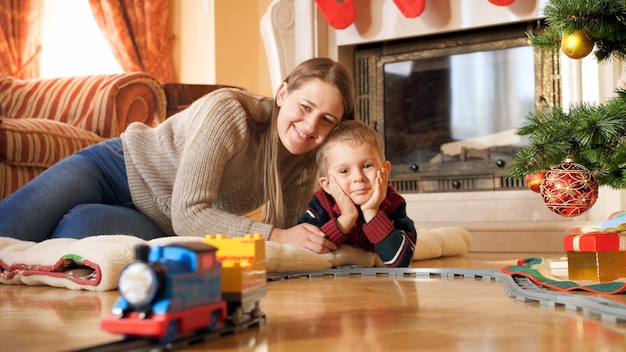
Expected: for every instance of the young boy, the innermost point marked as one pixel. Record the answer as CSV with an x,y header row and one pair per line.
x,y
356,205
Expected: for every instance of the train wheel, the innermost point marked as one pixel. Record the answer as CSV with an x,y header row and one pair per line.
x,y
256,312
237,316
214,320
172,331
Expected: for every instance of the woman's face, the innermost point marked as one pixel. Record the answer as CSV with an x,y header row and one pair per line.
x,y
307,114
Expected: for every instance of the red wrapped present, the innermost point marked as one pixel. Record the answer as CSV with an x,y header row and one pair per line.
x,y
596,256
594,242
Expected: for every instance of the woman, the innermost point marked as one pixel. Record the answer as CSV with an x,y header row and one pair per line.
x,y
199,171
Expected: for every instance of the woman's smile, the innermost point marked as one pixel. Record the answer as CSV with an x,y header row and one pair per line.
x,y
305,137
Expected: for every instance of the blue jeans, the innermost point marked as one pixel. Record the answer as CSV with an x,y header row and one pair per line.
x,y
83,195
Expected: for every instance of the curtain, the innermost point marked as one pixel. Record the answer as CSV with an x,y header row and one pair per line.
x,y
138,33
19,38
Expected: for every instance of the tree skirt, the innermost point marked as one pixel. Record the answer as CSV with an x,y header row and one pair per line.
x,y
538,270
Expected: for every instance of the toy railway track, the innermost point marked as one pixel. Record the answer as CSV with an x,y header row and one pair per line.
x,y
516,286
153,345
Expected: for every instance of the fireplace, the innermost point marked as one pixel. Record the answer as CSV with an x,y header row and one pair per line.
x,y
448,105
501,214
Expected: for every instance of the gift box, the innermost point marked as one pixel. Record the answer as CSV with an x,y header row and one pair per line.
x,y
596,266
597,256
616,219
593,242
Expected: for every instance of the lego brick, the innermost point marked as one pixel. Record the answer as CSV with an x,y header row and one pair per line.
x,y
596,266
243,260
250,247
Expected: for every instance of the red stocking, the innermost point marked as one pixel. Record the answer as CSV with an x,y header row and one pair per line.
x,y
410,8
338,13
502,2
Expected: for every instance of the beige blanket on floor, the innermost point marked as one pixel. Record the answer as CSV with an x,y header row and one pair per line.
x,y
95,263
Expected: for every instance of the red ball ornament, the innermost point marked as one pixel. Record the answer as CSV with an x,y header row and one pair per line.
x,y
533,181
569,189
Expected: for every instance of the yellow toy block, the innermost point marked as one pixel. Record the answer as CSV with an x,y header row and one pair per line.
x,y
243,261
249,247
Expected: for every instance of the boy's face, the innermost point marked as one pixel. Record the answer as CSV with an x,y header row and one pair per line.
x,y
354,166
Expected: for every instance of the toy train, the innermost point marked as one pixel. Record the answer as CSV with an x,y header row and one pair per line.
x,y
189,287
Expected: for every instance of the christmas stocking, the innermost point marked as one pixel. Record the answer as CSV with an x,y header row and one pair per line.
x,y
410,8
338,13
502,2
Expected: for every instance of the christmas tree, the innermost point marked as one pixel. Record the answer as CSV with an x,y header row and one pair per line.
x,y
593,135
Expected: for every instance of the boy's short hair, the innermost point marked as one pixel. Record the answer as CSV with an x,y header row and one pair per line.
x,y
352,132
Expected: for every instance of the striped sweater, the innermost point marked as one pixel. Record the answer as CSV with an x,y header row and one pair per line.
x,y
390,233
198,172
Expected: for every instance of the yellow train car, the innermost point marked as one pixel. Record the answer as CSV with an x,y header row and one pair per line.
x,y
244,273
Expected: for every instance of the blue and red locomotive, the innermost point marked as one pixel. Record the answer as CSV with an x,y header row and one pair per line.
x,y
178,288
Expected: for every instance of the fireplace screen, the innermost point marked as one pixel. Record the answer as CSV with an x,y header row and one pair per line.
x,y
448,107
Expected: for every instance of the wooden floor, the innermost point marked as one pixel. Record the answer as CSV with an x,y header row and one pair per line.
x,y
340,314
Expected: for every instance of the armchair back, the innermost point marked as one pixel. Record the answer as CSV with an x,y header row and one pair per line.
x,y
45,120
102,104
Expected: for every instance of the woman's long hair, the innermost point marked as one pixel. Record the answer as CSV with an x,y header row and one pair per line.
x,y
334,74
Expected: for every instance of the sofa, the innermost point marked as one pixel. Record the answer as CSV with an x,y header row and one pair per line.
x,y
45,120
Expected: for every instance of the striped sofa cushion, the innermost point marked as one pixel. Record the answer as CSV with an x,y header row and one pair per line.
x,y
45,120
87,102
40,142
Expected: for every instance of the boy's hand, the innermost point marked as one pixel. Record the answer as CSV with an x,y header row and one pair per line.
x,y
349,212
370,208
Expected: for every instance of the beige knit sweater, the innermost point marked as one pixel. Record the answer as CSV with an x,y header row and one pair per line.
x,y
197,172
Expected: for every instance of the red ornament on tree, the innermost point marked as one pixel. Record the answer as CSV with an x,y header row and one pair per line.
x,y
569,189
533,181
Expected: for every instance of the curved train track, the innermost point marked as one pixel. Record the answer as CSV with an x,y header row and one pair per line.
x,y
516,286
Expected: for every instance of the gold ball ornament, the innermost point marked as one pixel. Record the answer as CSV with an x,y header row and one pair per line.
x,y
578,44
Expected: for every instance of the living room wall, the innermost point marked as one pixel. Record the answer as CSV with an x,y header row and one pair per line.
x,y
219,41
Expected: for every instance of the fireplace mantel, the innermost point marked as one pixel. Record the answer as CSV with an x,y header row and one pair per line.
x,y
512,221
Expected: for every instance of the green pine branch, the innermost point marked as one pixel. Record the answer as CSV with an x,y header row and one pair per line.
x,y
594,136
604,19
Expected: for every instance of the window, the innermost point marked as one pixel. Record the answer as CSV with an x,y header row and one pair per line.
x,y
72,44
